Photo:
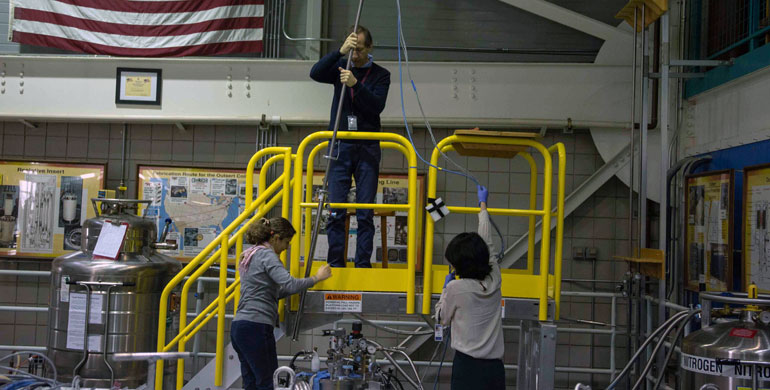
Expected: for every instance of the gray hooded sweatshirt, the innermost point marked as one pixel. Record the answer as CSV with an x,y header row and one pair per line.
x,y
263,283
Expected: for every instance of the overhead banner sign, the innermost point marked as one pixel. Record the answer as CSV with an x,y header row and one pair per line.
x,y
200,202
43,206
709,241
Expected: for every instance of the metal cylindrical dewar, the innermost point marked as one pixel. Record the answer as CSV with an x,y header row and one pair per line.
x,y
107,306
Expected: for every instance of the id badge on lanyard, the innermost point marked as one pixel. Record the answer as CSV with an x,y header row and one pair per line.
x,y
352,118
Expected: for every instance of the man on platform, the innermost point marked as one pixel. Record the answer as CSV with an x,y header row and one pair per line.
x,y
366,92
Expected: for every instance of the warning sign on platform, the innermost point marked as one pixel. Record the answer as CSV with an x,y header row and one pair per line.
x,y
343,302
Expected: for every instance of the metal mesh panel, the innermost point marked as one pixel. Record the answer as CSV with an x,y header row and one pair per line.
x,y
728,23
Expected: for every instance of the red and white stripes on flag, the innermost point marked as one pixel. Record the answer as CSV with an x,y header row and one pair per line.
x,y
149,28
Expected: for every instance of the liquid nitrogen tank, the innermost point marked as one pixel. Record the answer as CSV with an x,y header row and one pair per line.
x,y
729,355
99,304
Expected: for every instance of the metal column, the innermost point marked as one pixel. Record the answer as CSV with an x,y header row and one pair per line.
x,y
664,165
537,355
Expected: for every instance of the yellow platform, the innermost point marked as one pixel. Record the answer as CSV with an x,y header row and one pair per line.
x,y
541,288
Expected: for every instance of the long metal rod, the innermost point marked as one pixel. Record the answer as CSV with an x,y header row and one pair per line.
x,y
198,307
631,163
495,50
123,160
664,165
106,338
642,189
322,194
632,341
643,141
82,362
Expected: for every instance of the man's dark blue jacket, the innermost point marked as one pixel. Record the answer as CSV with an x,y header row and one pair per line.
x,y
369,94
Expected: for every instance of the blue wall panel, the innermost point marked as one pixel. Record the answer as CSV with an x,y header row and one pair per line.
x,y
737,158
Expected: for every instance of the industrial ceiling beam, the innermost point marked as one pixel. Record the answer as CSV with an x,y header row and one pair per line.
x,y
572,19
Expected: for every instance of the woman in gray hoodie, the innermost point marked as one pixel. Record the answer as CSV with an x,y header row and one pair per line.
x,y
470,305
264,281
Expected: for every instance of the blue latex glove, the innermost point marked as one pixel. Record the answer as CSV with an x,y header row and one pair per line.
x,y
482,193
450,277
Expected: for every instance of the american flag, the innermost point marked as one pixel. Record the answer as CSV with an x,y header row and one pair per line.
x,y
154,28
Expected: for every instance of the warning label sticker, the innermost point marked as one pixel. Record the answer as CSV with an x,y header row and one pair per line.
x,y
343,302
710,366
743,332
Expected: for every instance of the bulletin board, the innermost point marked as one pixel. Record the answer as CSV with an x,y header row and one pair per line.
x,y
756,236
43,206
709,239
201,203
391,189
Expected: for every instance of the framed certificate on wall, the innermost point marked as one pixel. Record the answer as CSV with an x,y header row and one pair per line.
x,y
138,86
709,238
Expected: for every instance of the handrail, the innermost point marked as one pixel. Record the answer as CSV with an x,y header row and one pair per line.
x,y
562,153
248,198
412,201
191,266
309,173
545,212
532,205
184,328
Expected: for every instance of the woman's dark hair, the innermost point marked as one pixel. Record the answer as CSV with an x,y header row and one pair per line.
x,y
469,255
261,231
362,30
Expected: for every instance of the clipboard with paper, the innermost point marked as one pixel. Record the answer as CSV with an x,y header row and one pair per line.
x,y
110,240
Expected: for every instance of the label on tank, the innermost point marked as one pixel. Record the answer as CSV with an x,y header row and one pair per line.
x,y
743,332
711,366
748,388
64,294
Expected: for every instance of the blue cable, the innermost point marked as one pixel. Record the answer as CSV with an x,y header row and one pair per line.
x,y
409,132
403,107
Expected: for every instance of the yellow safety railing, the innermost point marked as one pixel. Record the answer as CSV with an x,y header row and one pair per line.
x,y
287,189
231,235
357,279
310,171
516,283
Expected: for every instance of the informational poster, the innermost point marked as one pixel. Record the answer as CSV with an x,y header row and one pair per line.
x,y
756,236
708,245
43,206
200,202
392,189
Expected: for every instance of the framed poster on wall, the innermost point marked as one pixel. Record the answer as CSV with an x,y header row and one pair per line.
x,y
756,236
709,239
392,189
201,203
43,206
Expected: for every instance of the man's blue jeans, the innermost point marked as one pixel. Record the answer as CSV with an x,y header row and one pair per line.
x,y
362,162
